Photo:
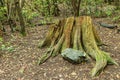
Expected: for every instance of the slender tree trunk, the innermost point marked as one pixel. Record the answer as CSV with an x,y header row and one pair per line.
x,y
11,14
22,3
0,29
117,3
19,11
76,6
55,9
48,7
2,2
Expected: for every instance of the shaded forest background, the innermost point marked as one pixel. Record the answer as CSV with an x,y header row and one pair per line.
x,y
20,13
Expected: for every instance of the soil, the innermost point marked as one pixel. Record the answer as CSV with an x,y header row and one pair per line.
x,y
21,64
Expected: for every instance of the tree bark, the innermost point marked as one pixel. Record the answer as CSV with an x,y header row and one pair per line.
x,y
11,14
19,11
76,6
77,33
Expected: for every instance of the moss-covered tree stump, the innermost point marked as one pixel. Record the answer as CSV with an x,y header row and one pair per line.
x,y
77,33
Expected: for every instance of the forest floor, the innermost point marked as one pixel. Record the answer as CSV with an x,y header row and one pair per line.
x,y
21,64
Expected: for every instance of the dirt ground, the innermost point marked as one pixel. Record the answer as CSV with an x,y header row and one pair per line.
x,y
22,63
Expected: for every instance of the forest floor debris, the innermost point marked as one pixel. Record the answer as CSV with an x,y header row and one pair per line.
x,y
27,53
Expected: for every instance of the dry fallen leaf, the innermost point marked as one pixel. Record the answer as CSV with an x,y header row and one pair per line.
x,y
1,71
118,76
73,73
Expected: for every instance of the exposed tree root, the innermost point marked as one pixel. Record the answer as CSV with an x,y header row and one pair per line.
x,y
80,34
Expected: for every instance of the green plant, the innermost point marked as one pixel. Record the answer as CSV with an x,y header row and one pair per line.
x,y
2,13
116,18
1,40
29,15
6,46
108,10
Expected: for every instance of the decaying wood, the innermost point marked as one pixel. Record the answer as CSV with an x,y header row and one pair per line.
x,y
78,33
90,45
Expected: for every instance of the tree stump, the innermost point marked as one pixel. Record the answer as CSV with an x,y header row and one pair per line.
x,y
78,33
